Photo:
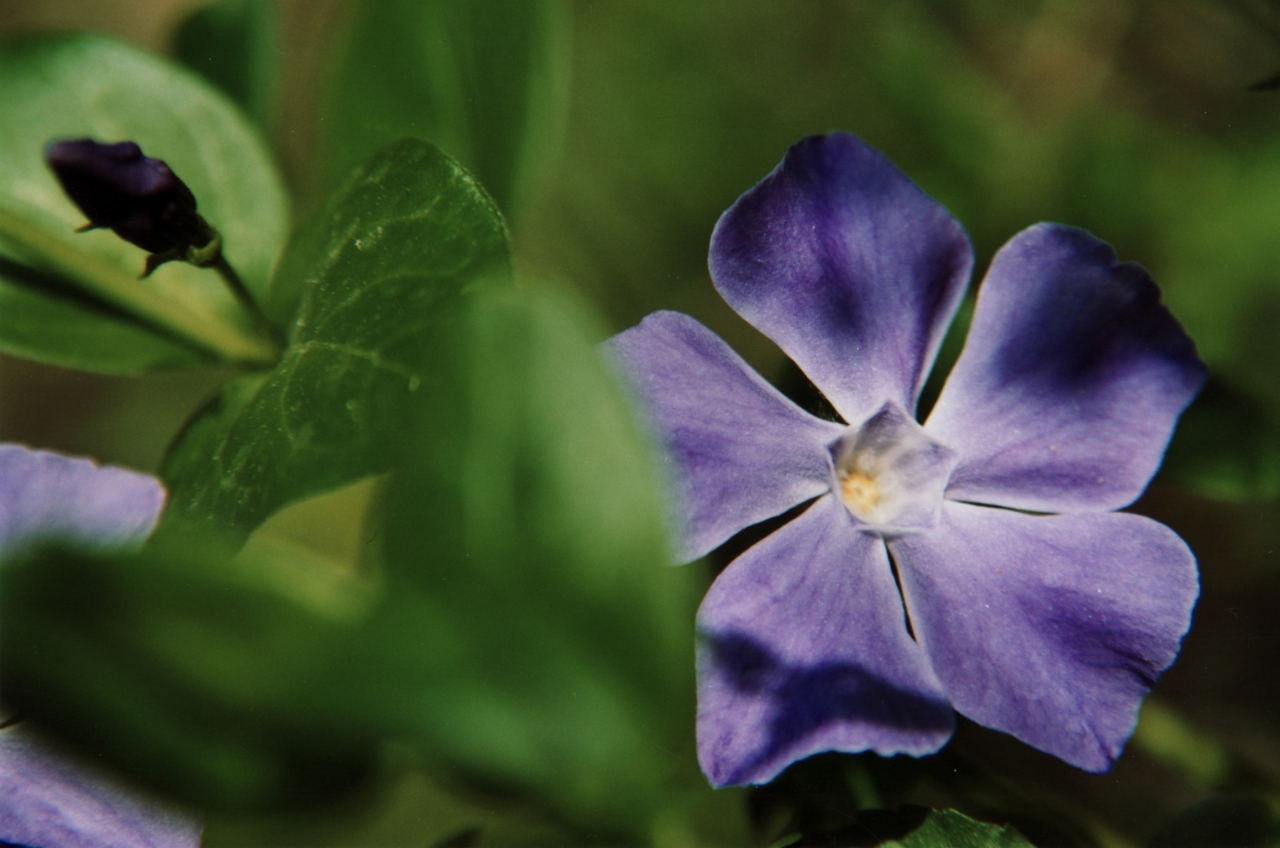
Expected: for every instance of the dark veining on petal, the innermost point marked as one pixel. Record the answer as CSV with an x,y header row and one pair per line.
x,y
806,699
1102,635
1092,324
845,263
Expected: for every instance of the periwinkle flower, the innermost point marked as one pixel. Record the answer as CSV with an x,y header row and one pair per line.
x,y
972,564
72,499
138,198
48,800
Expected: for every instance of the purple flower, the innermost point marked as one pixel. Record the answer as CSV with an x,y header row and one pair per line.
x,y
50,801
44,494
919,576
46,799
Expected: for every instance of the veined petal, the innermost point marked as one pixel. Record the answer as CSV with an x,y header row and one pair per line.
x,y
1070,382
804,648
1051,628
740,451
845,263
47,494
47,800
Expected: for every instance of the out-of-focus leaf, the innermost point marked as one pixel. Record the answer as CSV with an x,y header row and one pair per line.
x,y
1220,822
45,319
1227,446
483,79
198,674
533,636
365,290
74,299
234,44
1171,739
406,808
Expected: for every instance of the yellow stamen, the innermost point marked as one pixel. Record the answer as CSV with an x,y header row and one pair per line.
x,y
860,492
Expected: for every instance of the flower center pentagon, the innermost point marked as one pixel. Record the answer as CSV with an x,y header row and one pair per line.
x,y
890,473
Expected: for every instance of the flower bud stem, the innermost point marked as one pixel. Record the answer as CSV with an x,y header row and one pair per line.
x,y
238,288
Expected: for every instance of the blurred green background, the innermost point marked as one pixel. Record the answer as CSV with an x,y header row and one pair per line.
x,y
1148,122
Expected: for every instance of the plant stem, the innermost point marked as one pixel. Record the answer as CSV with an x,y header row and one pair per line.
x,y
238,288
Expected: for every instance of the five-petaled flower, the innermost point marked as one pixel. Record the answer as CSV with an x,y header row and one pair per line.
x,y
922,576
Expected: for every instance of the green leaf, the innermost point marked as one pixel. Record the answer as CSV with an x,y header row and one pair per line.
x,y
75,299
76,332
405,809
233,44
484,80
195,673
950,829
1178,744
1227,446
365,290
534,636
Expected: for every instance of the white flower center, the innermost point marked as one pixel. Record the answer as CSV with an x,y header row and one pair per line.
x,y
890,473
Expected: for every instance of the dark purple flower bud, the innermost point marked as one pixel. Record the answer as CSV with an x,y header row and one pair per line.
x,y
138,198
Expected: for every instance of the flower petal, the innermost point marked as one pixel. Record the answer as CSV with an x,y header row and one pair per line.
x,y
804,648
845,263
48,800
742,452
47,494
1051,628
1070,382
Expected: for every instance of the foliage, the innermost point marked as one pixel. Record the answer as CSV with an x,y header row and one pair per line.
x,y
501,654
73,298
363,292
480,79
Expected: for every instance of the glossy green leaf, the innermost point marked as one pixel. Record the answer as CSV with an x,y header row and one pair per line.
x,y
365,289
234,44
534,636
950,829
195,673
907,826
482,79
54,281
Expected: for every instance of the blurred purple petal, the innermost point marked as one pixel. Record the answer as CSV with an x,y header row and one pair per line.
x,y
48,801
804,648
845,263
1051,628
45,494
741,451
1070,382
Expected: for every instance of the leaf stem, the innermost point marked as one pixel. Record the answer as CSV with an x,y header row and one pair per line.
x,y
208,331
241,291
